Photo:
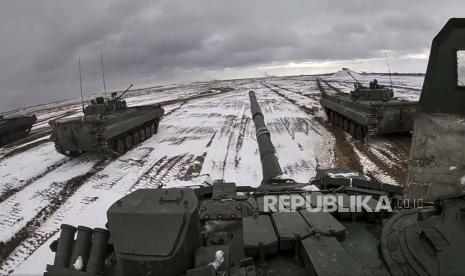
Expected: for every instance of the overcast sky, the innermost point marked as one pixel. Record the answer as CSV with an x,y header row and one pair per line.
x,y
157,42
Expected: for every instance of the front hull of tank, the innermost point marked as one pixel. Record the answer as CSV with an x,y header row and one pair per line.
x,y
75,136
396,120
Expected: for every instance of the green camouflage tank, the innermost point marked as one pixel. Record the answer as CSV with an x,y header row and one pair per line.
x,y
108,125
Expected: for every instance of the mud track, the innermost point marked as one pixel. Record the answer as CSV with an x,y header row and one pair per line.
x,y
195,167
344,152
243,126
159,172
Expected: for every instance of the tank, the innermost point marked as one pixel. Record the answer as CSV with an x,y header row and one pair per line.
x,y
229,229
14,128
369,111
108,125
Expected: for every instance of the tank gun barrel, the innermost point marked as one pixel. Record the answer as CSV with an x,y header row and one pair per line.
x,y
353,78
270,165
124,92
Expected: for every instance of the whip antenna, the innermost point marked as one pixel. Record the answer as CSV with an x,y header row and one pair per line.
x,y
103,75
80,84
389,69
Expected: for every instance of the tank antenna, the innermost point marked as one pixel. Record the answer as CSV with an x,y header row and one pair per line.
x,y
389,69
80,84
103,75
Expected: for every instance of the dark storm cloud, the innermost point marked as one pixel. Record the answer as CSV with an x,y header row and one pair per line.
x,y
151,41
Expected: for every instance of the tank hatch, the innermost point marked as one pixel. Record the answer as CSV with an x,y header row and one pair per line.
x,y
161,225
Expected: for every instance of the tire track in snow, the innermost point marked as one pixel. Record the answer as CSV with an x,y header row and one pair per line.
x,y
343,151
244,125
137,157
9,190
156,175
228,150
21,207
27,146
28,231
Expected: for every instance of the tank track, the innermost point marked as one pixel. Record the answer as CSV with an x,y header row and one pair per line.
x,y
122,143
360,132
372,127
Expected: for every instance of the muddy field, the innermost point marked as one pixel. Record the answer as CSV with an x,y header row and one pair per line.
x,y
207,134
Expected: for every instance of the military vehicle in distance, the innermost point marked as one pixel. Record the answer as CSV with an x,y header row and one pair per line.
x,y
369,111
14,128
108,125
224,229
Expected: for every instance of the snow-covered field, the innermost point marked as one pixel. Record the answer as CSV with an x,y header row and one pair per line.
x,y
200,139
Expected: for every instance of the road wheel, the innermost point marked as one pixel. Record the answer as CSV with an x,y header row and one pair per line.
x,y
73,153
340,122
148,132
142,135
333,118
111,145
155,127
11,137
352,129
359,133
23,133
120,146
4,141
330,116
346,125
135,138
128,141
327,111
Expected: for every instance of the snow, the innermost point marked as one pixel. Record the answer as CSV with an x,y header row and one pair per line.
x,y
199,140
344,72
16,170
348,175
